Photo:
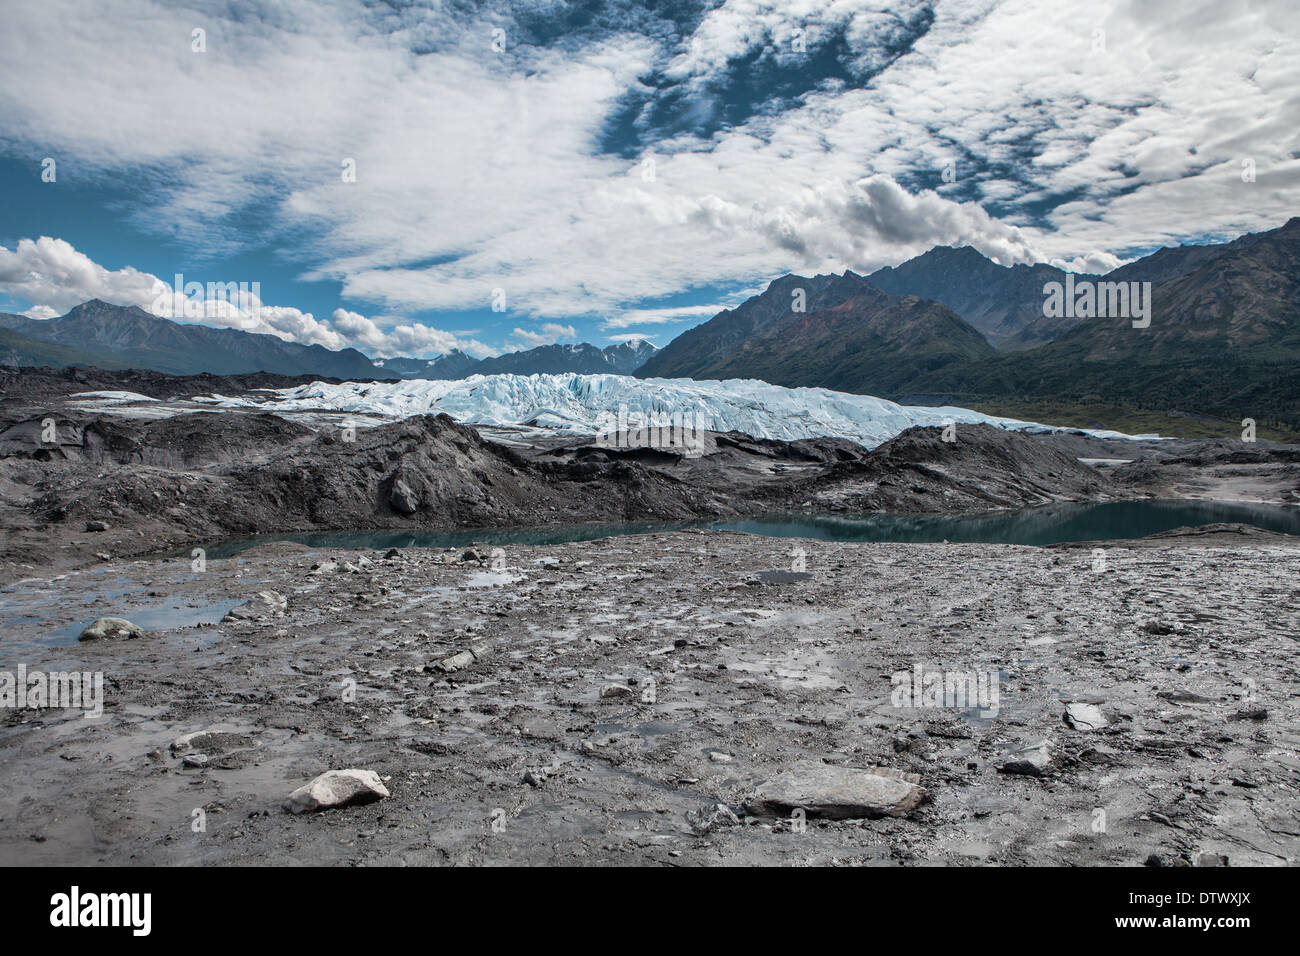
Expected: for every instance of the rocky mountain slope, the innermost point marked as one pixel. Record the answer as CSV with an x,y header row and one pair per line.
x,y
1224,339
130,337
850,336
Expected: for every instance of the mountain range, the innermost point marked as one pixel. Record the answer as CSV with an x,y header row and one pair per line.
x,y
1224,334
111,336
622,359
950,326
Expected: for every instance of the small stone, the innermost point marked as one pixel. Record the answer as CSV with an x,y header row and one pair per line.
x,y
534,778
1255,713
1031,760
335,789
266,604
613,691
457,661
111,627
711,818
96,525
717,756
471,555
1183,697
403,499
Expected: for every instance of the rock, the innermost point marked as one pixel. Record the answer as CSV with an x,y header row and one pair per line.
x,y
96,525
210,742
1031,760
1158,627
717,756
325,567
534,778
403,499
1183,697
335,789
837,793
1084,716
392,553
1211,859
471,555
265,604
1255,713
613,691
111,627
458,661
711,818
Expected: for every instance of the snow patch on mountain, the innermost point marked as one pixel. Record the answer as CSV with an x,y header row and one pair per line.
x,y
584,404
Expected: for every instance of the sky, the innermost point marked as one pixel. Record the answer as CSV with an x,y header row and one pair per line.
x,y
410,177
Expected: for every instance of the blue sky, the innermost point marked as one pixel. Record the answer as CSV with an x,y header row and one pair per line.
x,y
614,169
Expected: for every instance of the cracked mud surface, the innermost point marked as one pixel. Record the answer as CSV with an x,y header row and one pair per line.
x,y
1187,651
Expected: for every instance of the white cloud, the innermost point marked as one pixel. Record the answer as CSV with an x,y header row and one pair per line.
x,y
54,276
548,334
660,316
488,165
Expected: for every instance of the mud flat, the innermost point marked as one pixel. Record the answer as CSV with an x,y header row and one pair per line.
x,y
681,699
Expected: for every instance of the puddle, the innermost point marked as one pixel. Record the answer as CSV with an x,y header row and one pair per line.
x,y
30,632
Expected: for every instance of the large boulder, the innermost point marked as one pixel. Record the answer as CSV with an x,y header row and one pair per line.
x,y
337,788
111,627
837,793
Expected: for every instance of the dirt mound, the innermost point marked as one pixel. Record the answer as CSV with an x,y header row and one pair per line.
x,y
183,441
982,468
162,484
23,385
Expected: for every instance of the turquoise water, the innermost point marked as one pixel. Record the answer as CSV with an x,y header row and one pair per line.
x,y
1051,524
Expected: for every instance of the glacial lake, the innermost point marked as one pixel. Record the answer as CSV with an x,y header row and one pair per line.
x,y
1049,524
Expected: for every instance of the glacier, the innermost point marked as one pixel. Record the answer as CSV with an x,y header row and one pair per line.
x,y
581,404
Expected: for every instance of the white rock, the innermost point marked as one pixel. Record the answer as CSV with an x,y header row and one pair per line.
x,y
265,604
337,788
106,627
1084,716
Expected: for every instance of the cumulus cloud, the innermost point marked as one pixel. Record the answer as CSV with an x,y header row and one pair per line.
x,y
548,334
658,317
1077,133
55,276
